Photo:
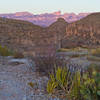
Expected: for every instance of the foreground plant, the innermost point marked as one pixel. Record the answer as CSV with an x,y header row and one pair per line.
x,y
90,88
75,86
60,83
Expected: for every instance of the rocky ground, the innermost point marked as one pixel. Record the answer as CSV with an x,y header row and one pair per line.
x,y
15,76
20,81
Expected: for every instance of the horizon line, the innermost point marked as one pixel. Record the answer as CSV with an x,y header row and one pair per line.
x,y
60,12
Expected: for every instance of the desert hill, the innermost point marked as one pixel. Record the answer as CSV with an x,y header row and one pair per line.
x,y
17,32
85,31
25,36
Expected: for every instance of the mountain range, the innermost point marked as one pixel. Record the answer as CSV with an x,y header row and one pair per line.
x,y
45,19
28,37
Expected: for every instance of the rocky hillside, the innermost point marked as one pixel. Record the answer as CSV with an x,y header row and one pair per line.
x,y
17,32
26,36
45,19
85,31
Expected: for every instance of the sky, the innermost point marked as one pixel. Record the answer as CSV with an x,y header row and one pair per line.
x,y
48,6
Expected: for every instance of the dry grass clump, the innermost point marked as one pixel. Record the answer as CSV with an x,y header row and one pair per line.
x,y
18,55
69,49
76,49
96,52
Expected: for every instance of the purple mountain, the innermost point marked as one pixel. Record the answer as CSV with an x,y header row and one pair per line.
x,y
45,19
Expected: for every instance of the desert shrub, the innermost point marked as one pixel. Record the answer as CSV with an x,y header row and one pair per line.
x,y
4,51
93,67
75,86
47,64
90,88
96,52
18,55
63,50
93,58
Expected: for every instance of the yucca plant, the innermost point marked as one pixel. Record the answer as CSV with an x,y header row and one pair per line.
x,y
60,82
61,77
76,84
52,84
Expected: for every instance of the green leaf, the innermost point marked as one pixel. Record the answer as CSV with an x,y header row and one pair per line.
x,y
98,92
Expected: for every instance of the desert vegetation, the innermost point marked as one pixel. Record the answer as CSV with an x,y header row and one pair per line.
x,y
71,81
70,68
46,64
4,51
75,86
96,52
18,55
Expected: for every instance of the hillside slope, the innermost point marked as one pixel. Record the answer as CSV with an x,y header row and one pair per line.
x,y
22,35
16,31
85,31
25,36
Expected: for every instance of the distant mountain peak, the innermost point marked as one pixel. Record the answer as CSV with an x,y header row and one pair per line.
x,y
57,13
45,19
23,13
